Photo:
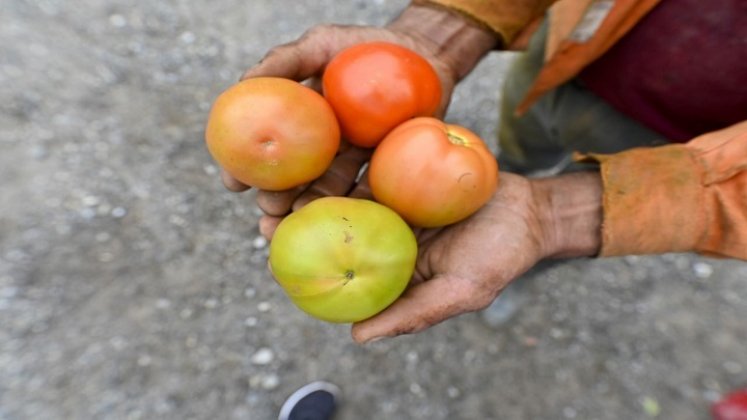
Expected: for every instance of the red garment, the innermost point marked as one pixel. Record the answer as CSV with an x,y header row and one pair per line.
x,y
681,70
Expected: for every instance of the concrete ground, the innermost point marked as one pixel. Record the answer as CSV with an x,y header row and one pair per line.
x,y
133,286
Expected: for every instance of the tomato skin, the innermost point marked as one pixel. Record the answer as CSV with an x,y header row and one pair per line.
x,y
431,173
272,133
343,259
375,86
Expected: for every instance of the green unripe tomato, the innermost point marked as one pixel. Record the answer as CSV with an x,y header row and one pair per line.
x,y
343,259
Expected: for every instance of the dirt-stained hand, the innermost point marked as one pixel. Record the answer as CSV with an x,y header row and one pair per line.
x,y
463,267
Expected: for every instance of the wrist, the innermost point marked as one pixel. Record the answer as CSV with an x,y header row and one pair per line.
x,y
451,37
569,209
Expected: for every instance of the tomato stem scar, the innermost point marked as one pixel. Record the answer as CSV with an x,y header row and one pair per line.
x,y
349,276
456,139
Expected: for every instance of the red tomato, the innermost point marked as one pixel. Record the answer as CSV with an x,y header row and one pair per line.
x,y
375,86
272,133
431,173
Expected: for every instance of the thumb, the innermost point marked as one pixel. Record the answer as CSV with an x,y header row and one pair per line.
x,y
422,306
297,60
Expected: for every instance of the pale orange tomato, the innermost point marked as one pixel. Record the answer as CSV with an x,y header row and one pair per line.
x,y
272,133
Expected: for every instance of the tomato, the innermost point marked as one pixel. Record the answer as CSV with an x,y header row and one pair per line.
x,y
272,133
375,86
343,259
431,173
731,407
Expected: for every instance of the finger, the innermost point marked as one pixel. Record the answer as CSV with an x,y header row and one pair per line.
x,y
297,60
231,183
278,203
267,225
420,307
339,179
444,105
447,87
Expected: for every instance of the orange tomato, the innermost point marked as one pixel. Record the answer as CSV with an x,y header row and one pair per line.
x,y
375,86
431,173
272,133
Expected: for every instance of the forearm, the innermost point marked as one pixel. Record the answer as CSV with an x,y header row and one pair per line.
x,y
454,38
569,208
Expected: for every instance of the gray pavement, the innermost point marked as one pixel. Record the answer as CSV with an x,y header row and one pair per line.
x,y
132,286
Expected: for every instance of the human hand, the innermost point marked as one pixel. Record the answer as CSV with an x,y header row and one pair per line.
x,y
463,267
450,43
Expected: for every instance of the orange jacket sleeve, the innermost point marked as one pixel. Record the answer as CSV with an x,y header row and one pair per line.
x,y
676,198
507,18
